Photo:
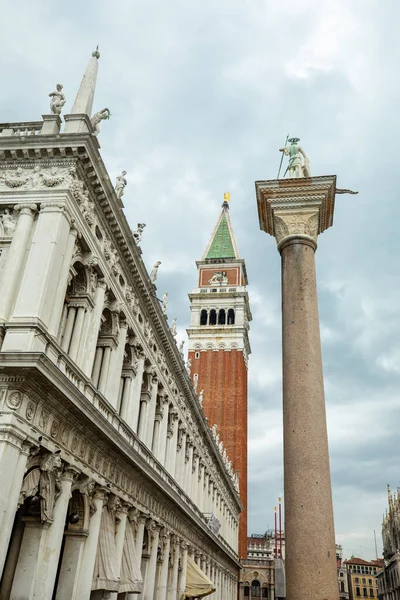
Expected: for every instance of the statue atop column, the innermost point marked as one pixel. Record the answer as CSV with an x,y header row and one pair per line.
x,y
120,185
299,165
57,100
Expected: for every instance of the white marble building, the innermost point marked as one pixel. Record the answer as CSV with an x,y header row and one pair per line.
x,y
111,481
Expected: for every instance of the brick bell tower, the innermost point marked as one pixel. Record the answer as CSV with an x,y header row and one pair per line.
x,y
219,347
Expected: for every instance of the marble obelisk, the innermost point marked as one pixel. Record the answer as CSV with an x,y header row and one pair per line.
x,y
295,211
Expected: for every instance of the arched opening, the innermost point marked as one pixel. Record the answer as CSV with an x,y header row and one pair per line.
x,y
126,380
145,397
213,317
203,317
255,589
73,314
265,592
103,351
231,316
222,317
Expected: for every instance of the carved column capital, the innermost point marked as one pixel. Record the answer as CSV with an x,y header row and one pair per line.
x,y
26,209
290,209
70,473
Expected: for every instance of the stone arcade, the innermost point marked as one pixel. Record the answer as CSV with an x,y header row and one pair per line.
x,y
112,483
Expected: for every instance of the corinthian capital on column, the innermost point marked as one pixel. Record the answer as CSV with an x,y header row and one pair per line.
x,y
26,209
291,209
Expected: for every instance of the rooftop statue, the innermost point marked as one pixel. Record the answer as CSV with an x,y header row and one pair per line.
x,y
57,100
299,165
137,235
173,326
181,348
154,271
165,302
97,118
120,185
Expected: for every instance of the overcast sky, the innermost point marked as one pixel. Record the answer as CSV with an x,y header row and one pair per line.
x,y
202,95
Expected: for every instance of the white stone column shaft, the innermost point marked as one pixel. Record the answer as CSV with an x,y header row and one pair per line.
x,y
59,295
116,363
172,446
16,258
162,436
51,540
182,579
85,578
162,590
156,433
44,264
94,328
104,371
132,413
142,426
77,332
13,458
151,411
180,465
126,383
173,594
122,515
150,579
69,327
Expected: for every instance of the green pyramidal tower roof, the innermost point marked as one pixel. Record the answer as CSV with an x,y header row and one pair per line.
x,y
222,243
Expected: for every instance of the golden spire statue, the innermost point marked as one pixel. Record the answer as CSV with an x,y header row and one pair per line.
x,y
227,197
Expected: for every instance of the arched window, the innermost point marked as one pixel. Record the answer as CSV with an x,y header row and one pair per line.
x,y
255,589
103,352
265,593
74,312
221,317
246,591
213,317
342,586
231,316
203,317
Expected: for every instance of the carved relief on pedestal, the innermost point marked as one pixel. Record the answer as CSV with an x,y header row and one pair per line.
x,y
8,223
292,223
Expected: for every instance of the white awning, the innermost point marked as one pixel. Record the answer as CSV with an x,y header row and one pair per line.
x,y
198,584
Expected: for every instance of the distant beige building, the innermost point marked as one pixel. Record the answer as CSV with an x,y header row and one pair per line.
x,y
361,577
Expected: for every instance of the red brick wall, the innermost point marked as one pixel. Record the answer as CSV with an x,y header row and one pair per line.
x,y
223,376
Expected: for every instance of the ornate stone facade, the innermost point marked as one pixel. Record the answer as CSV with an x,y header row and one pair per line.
x,y
110,470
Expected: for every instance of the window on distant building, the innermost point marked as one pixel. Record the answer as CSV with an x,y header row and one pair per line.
x,y
265,593
246,591
364,581
369,581
358,591
255,589
371,593
213,317
365,592
342,586
357,580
